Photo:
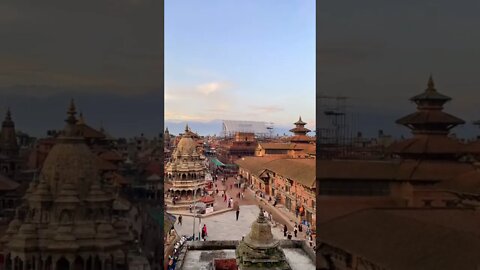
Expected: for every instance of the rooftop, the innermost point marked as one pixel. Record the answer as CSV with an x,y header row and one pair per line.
x,y
423,239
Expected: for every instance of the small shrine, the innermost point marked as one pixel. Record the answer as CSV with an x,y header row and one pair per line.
x,y
258,250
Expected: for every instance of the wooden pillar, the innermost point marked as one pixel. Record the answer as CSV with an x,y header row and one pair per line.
x,y
38,263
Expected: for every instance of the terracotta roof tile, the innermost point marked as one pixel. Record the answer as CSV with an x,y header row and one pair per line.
x,y
422,239
427,144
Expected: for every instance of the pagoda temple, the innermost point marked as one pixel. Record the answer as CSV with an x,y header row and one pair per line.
x,y
258,250
186,171
8,147
430,127
66,220
300,132
166,139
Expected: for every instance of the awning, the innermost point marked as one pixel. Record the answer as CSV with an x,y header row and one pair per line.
x,y
217,162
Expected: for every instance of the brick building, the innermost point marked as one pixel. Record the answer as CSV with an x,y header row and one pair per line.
x,y
289,181
241,145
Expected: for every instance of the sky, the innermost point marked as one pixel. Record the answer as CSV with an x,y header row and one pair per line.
x,y
380,53
239,60
106,54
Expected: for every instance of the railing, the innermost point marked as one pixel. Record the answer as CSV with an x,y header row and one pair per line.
x,y
187,183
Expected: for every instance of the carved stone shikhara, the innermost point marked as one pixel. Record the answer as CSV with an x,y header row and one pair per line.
x,y
65,221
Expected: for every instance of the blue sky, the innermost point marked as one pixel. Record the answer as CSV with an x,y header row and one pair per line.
x,y
249,60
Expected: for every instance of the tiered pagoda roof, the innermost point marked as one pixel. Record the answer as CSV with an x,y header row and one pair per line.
x,y
429,117
300,132
430,126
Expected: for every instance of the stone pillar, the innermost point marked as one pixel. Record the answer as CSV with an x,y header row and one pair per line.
x,y
71,263
125,254
3,266
92,262
39,263
44,263
5,263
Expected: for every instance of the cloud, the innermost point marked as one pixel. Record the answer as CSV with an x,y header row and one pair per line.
x,y
267,109
212,87
177,117
125,57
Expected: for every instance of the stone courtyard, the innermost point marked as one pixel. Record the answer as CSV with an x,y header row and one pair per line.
x,y
224,226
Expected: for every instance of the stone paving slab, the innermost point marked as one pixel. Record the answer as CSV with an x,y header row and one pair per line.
x,y
225,226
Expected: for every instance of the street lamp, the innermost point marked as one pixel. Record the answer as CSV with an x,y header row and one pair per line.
x,y
194,214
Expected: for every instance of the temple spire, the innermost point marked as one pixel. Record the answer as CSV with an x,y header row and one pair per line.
x,y
8,117
187,129
431,85
71,113
81,120
7,122
70,129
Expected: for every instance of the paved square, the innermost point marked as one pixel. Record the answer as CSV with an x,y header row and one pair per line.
x,y
224,226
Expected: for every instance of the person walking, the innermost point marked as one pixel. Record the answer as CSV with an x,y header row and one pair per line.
x,y
180,220
170,263
285,229
238,213
204,232
295,230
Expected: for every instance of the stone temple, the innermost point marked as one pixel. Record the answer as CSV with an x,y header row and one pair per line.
x,y
185,172
258,250
66,220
